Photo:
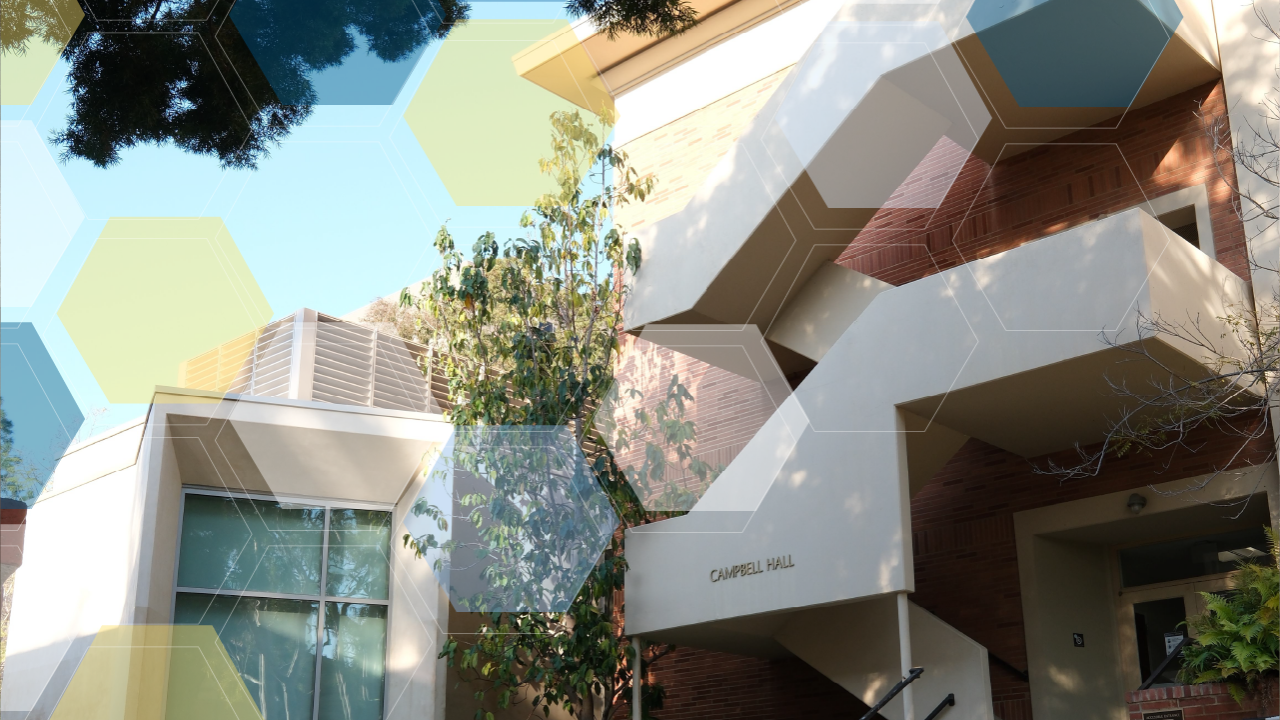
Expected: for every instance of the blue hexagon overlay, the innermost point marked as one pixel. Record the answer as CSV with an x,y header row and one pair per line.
x,y
336,52
511,519
1074,53
41,414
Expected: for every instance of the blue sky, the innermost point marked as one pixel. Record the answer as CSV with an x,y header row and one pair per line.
x,y
344,211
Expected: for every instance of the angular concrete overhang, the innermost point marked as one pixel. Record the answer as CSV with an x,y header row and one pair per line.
x,y
1009,348
295,447
847,133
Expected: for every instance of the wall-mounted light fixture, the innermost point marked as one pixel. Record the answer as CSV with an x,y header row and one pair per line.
x,y
1136,503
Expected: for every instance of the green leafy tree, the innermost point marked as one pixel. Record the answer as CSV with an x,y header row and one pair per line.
x,y
527,333
636,17
22,21
153,72
180,72
1236,639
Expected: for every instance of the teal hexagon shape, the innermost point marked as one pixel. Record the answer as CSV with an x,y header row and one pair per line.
x,y
1074,53
40,414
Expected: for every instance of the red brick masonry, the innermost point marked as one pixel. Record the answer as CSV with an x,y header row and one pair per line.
x,y
1197,702
12,528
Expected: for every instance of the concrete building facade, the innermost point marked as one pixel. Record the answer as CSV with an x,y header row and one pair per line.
x,y
948,268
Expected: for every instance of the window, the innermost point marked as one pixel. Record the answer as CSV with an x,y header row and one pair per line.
x,y
1187,558
1156,624
1183,224
1186,213
297,592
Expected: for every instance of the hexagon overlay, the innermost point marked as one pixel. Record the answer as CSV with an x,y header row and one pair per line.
x,y
155,292
42,414
1074,53
482,113
336,52
894,96
32,36
686,401
511,519
154,672
38,214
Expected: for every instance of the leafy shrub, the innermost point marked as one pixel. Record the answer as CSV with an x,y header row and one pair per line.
x,y
1236,639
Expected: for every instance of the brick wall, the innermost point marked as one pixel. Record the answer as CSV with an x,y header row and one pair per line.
x,y
726,409
705,685
681,154
1197,702
1088,174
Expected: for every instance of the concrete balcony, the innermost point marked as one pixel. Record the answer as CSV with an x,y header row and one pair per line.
x,y
877,96
1008,349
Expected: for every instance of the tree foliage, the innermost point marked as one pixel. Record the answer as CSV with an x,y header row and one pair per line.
x,y
180,72
1237,638
636,17
527,332
159,72
22,21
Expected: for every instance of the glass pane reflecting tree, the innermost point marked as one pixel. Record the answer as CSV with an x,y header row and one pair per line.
x,y
233,543
272,642
359,554
351,674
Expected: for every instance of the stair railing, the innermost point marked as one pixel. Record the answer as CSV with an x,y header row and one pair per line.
x,y
947,702
893,692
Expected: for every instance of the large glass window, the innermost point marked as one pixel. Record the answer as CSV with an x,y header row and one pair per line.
x,y
254,569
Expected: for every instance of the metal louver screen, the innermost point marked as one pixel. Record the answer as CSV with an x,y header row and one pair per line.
x,y
344,363
397,379
352,365
356,365
222,369
272,361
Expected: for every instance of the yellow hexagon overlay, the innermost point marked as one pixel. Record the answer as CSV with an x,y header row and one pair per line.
x,y
156,292
482,113
31,38
156,672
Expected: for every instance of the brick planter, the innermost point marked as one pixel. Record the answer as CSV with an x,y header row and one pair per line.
x,y
1210,701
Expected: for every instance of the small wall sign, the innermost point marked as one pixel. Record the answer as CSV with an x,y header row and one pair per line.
x,y
1163,715
1077,639
755,567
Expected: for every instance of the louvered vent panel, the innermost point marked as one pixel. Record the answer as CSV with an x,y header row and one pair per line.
x,y
398,382
272,360
351,365
223,369
344,363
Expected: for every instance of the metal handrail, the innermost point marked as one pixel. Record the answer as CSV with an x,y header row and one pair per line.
x,y
1175,652
948,701
1022,674
893,692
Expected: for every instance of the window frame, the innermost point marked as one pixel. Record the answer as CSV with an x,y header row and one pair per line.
x,y
329,505
1124,598
1196,196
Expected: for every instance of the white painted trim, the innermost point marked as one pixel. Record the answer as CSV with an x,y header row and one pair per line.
x,y
199,399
